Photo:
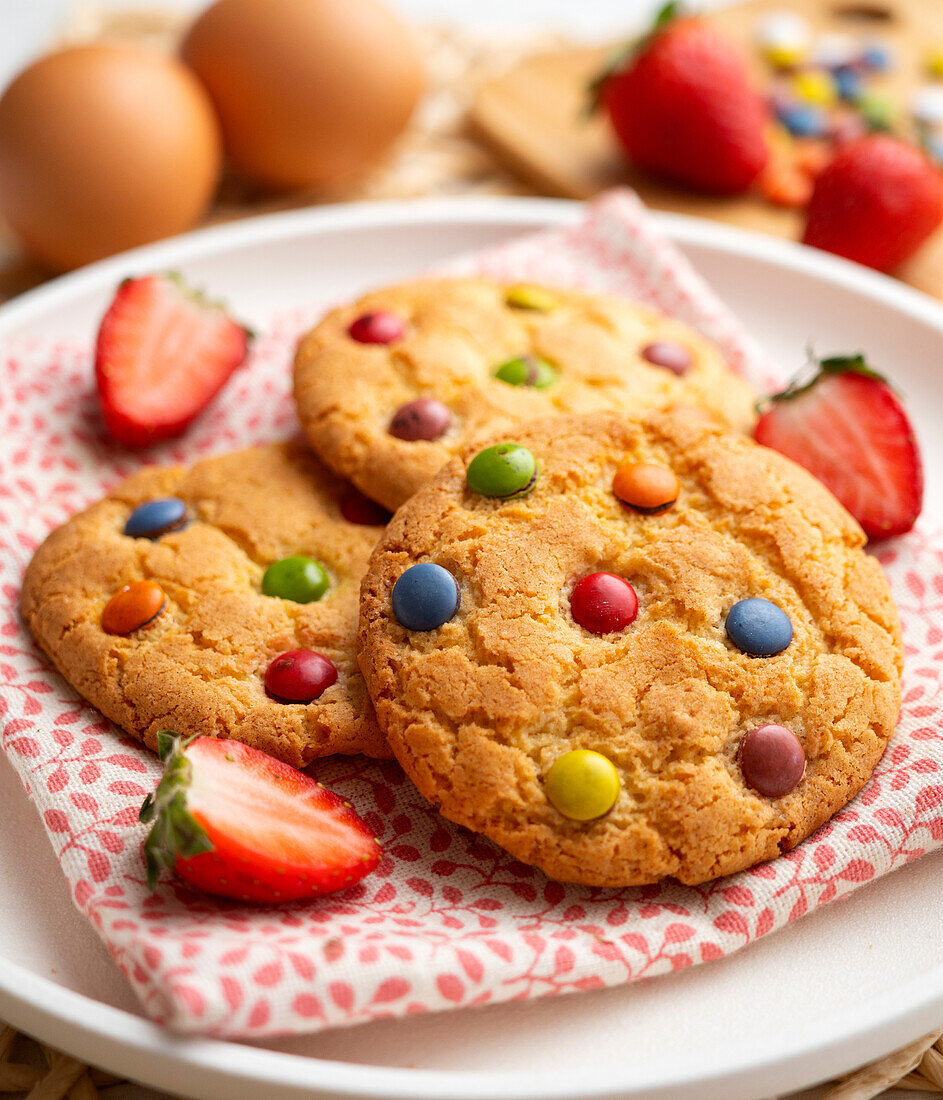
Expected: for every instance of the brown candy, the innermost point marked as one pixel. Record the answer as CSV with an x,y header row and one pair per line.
x,y
132,607
772,760
425,418
668,354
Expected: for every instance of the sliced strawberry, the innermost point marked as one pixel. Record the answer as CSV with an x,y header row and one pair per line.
x,y
163,353
846,426
237,823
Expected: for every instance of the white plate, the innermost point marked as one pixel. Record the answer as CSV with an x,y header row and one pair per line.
x,y
842,986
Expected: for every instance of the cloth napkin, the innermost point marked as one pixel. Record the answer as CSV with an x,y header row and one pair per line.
x,y
447,919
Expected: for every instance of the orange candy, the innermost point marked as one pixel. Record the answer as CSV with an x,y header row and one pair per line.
x,y
645,486
133,606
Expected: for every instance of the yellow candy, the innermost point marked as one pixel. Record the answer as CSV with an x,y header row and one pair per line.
x,y
815,87
582,785
535,298
934,61
785,55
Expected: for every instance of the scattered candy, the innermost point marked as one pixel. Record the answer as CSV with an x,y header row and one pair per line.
x,y
534,298
527,370
847,127
299,676
802,120
582,785
877,57
505,470
811,156
758,627
934,61
604,603
360,509
132,607
848,83
816,87
668,354
785,185
297,578
772,760
377,328
784,37
877,110
926,104
425,597
835,51
425,418
156,518
646,487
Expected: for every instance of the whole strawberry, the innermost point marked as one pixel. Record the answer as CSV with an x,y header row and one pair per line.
x,y
877,202
846,426
684,108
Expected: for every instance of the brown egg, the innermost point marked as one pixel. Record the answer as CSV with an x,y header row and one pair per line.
x,y
309,91
103,148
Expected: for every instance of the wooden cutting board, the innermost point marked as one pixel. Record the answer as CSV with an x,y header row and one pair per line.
x,y
534,115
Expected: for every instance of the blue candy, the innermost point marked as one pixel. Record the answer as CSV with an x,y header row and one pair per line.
x,y
848,83
758,628
156,518
802,121
877,58
425,597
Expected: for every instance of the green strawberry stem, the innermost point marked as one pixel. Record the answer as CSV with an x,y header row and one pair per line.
x,y
622,55
816,369
175,831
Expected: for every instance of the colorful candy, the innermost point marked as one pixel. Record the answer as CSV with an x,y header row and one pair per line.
x,y
534,298
425,418
758,627
784,38
296,578
926,104
816,87
377,328
505,470
934,61
299,676
425,597
360,509
772,760
604,603
848,83
803,120
877,57
646,487
136,605
582,785
527,370
156,518
668,354
876,110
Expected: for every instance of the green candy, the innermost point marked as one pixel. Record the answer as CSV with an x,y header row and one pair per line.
x,y
534,298
504,470
877,111
527,370
582,785
297,578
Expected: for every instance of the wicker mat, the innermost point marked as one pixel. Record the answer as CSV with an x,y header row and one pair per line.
x,y
436,156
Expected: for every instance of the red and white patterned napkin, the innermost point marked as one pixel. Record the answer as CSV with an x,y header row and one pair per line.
x,y
447,919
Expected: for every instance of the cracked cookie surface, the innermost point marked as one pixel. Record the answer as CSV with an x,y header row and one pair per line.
x,y
478,710
458,333
198,667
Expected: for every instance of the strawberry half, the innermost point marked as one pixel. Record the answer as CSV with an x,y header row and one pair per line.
x,y
846,426
163,353
237,823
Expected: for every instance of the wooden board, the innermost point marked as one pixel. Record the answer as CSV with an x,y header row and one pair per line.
x,y
534,116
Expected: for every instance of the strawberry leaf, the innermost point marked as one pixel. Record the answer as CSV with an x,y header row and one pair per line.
x,y
175,832
623,55
816,369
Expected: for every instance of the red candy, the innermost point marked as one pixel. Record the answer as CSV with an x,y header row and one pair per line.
x,y
376,328
603,603
299,676
772,760
357,508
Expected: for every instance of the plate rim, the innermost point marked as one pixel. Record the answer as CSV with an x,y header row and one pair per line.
x,y
127,1043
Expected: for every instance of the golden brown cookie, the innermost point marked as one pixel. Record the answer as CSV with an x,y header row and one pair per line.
x,y
193,637
481,710
441,343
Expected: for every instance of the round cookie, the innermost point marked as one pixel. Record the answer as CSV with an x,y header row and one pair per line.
x,y
169,627
389,388
614,743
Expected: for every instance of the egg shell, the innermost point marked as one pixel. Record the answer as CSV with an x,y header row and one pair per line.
x,y
310,92
103,148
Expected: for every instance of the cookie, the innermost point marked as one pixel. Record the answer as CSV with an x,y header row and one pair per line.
x,y
220,600
389,388
632,649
